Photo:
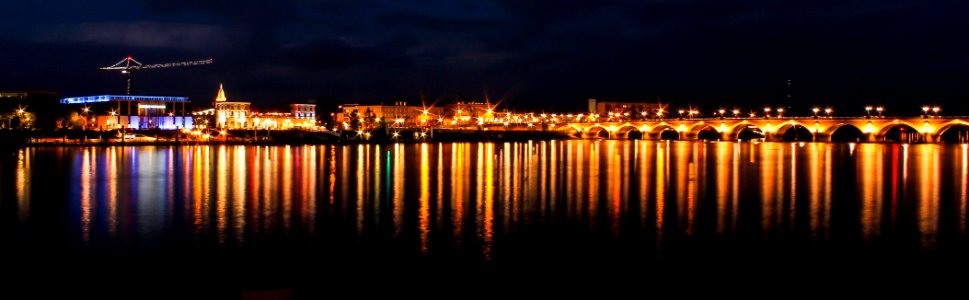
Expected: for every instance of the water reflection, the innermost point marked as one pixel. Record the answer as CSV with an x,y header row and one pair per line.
x,y
469,197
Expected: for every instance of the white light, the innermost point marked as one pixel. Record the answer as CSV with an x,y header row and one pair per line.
x,y
144,106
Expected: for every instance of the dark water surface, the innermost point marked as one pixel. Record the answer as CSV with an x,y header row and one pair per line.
x,y
250,217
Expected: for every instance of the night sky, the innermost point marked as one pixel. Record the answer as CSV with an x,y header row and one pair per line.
x,y
549,55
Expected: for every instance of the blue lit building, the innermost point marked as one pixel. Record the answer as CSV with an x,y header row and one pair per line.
x,y
130,112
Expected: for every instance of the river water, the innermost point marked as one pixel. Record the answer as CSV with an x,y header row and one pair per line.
x,y
257,216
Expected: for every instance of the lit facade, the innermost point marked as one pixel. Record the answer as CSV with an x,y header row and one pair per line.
x,y
130,112
230,114
280,121
623,108
463,113
304,111
399,115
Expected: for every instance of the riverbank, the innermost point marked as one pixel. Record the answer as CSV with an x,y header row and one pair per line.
x,y
248,137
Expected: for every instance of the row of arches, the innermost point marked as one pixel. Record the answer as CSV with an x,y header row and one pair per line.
x,y
953,133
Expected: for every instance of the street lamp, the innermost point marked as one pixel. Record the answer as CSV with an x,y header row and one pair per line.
x,y
827,111
815,110
868,111
936,111
85,112
780,112
681,113
721,111
879,110
767,112
20,113
736,113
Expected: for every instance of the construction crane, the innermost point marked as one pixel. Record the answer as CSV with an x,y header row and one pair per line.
x,y
129,65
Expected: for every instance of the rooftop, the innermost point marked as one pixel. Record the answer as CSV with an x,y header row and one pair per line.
x,y
109,98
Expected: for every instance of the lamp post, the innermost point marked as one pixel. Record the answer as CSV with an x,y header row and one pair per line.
x,y
925,111
721,111
681,113
868,112
879,110
767,112
936,111
736,113
815,110
780,112
827,111
20,115
85,111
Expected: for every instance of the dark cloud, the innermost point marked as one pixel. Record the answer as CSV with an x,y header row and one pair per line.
x,y
139,34
532,53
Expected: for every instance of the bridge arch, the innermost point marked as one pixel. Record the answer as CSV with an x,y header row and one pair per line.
x,y
900,132
663,131
572,131
630,131
953,132
705,132
598,130
844,132
795,131
745,131
667,134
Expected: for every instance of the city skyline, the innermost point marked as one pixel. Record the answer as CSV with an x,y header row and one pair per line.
x,y
535,56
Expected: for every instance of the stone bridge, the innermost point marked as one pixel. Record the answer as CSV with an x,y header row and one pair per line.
x,y
872,129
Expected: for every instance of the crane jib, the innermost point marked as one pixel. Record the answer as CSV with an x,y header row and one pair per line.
x,y
129,64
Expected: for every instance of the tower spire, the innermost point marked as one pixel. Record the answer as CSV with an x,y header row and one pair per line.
x,y
221,96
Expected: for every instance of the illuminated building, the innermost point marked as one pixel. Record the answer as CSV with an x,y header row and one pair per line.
x,y
115,111
302,115
632,108
461,113
239,115
398,115
230,114
304,111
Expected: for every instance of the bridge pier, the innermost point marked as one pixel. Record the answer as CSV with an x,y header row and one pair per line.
x,y
822,137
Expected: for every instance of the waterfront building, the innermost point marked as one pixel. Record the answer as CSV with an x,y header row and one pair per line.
x,y
240,115
304,111
128,111
230,114
356,116
301,115
469,112
626,109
